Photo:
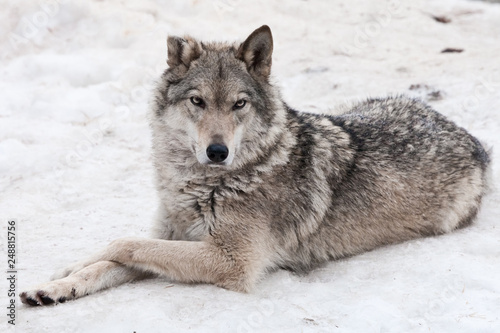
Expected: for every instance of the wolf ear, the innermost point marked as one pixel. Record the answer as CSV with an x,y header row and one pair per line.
x,y
181,51
256,51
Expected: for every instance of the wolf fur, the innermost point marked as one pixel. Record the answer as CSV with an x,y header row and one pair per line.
x,y
287,189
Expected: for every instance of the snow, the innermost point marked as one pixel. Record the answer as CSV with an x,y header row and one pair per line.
x,y
75,166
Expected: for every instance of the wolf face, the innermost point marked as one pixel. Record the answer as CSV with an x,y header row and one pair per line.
x,y
219,97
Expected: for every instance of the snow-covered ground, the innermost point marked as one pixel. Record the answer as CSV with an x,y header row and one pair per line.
x,y
75,166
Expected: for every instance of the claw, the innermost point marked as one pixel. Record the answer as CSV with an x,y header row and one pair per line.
x,y
32,302
46,300
28,300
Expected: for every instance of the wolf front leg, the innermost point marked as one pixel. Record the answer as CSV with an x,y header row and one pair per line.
x,y
130,258
190,261
92,278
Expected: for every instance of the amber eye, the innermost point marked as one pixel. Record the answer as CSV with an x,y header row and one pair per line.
x,y
239,104
197,101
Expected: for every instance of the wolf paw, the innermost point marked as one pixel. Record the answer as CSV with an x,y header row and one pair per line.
x,y
50,293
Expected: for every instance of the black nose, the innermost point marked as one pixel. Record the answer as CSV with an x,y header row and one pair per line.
x,y
217,153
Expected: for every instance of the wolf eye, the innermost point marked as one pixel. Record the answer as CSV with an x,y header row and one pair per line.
x,y
239,104
197,101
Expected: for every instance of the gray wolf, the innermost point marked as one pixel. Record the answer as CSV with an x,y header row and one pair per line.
x,y
247,184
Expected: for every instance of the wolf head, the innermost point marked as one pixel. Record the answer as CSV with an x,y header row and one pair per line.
x,y
215,104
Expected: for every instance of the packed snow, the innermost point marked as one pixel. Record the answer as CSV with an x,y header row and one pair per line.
x,y
76,173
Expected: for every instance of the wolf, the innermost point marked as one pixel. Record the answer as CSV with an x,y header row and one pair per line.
x,y
248,185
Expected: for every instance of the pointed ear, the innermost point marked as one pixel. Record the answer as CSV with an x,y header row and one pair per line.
x,y
256,51
181,51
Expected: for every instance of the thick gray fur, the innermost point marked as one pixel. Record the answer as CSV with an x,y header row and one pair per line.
x,y
320,187
296,189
